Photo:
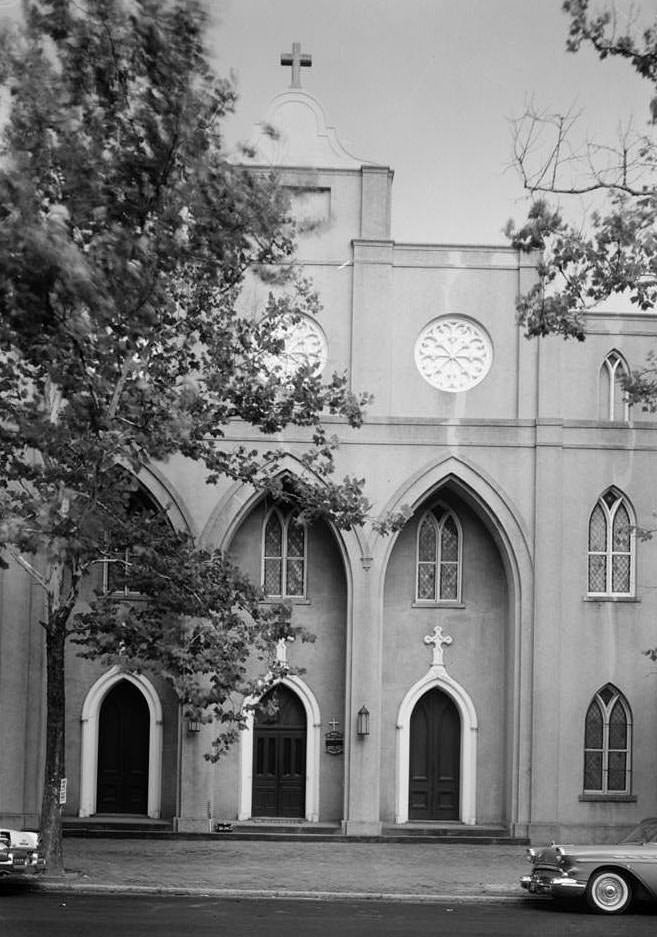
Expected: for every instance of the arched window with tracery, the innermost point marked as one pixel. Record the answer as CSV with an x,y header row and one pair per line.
x,y
439,544
612,396
608,743
143,517
611,546
283,555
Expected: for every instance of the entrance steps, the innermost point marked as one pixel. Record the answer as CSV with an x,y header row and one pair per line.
x,y
128,827
280,829
450,833
115,825
390,833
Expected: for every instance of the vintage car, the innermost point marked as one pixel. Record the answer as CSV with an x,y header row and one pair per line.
x,y
609,877
20,853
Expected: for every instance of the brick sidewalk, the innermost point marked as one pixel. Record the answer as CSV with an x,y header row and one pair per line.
x,y
308,868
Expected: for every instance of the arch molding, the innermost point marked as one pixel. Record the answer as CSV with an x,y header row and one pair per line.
x,y
438,678
89,740
313,740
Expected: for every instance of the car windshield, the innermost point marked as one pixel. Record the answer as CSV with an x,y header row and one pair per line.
x,y
645,832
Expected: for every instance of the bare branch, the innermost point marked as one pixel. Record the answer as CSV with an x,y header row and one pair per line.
x,y
548,158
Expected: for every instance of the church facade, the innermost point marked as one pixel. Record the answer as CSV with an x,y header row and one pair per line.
x,y
481,667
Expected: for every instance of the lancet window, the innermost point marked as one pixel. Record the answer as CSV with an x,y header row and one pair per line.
x,y
608,743
283,555
611,547
613,400
143,515
439,545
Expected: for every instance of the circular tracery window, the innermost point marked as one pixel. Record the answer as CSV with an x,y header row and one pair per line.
x,y
304,344
453,353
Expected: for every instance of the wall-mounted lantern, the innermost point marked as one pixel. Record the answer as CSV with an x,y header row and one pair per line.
x,y
363,722
193,726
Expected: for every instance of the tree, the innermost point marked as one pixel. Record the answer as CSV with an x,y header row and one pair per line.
x,y
614,251
125,237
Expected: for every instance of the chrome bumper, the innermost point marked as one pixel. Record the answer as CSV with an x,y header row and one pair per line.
x,y
26,867
559,887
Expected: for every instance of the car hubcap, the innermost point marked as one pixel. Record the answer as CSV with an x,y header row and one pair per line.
x,y
610,892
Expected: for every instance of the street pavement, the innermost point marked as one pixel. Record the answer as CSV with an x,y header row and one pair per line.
x,y
300,869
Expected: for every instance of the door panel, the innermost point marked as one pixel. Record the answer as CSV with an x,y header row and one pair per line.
x,y
435,759
279,759
123,740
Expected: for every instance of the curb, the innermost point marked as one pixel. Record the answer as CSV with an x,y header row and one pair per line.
x,y
496,894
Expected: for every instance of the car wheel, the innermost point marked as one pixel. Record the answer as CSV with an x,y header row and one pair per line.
x,y
608,892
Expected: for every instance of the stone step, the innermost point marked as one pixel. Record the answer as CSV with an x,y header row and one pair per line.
x,y
413,833
120,827
451,833
114,825
269,828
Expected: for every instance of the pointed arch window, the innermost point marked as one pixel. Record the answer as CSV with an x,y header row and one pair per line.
x,y
142,509
612,544
439,543
283,556
612,396
608,743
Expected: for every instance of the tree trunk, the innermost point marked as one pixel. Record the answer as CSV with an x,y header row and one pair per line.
x,y
51,821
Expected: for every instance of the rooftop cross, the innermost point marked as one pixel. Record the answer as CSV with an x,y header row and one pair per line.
x,y
298,61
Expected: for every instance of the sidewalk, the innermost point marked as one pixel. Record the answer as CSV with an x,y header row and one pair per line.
x,y
398,871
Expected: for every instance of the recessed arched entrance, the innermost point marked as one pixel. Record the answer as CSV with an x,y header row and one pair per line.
x,y
279,756
123,741
90,725
494,612
438,678
434,759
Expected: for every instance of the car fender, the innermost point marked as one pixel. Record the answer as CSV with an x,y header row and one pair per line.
x,y
640,887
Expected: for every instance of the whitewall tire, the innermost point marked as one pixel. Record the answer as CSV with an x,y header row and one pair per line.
x,y
608,892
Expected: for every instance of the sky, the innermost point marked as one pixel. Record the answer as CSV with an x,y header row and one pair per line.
x,y
428,87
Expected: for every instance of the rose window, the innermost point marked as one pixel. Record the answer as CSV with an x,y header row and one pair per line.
x,y
453,354
304,344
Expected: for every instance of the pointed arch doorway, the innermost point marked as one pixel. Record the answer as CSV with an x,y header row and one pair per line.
x,y
90,720
123,751
434,758
279,757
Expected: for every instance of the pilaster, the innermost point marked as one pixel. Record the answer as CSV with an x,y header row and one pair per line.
x,y
376,198
364,682
195,807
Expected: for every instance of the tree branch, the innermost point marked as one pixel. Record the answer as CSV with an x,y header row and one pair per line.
x,y
28,567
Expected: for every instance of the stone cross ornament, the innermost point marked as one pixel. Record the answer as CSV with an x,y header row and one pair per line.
x,y
439,640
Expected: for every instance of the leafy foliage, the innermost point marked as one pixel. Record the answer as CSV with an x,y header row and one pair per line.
x,y
600,31
192,617
125,238
614,250
579,269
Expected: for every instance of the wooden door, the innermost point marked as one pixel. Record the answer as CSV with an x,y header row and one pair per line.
x,y
279,758
435,759
123,736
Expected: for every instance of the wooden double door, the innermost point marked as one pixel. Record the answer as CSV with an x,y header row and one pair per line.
x,y
435,759
123,740
279,757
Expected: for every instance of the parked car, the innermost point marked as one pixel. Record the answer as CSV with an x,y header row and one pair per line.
x,y
609,877
20,853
